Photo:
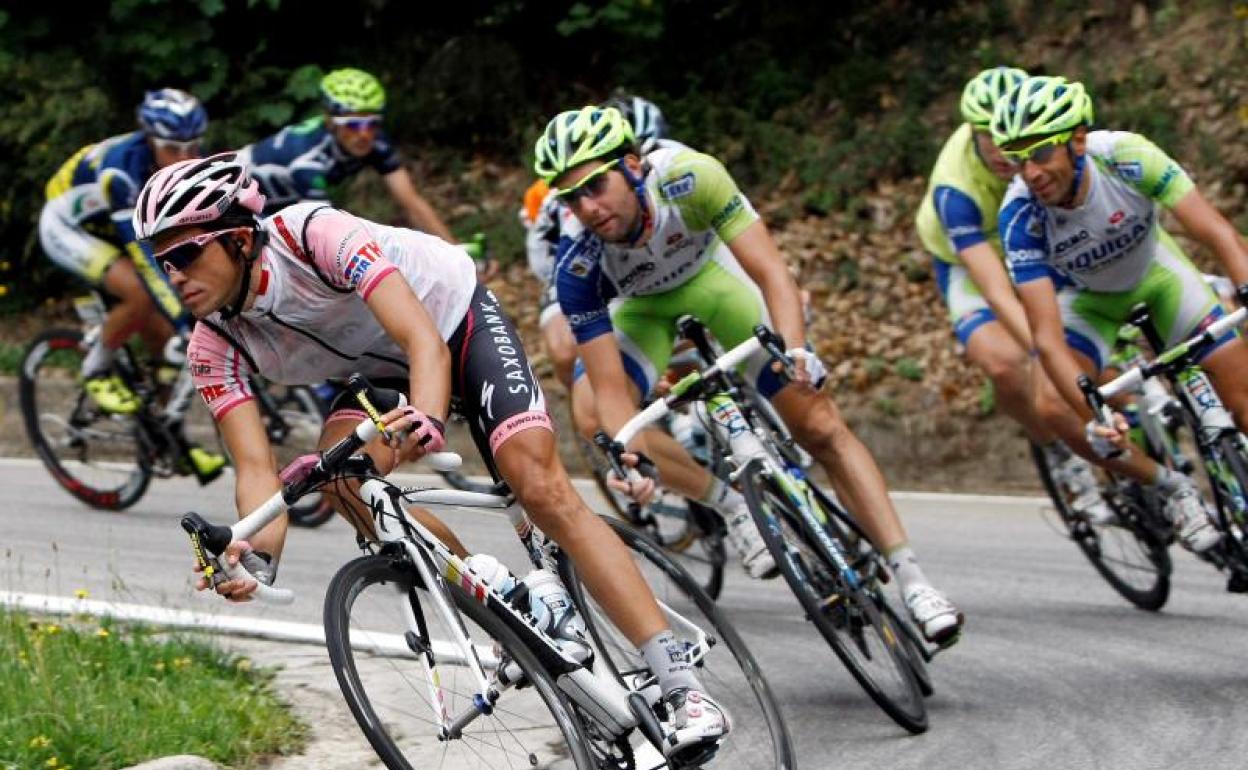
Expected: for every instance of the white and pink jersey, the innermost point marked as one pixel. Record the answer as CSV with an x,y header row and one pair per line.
x,y
310,321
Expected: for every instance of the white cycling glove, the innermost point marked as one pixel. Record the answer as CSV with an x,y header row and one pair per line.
x,y
1101,446
814,367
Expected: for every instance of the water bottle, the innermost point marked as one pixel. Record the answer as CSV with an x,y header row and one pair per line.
x,y
552,609
548,602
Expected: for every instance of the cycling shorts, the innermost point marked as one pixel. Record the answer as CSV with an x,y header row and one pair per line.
x,y
491,380
968,310
720,295
67,243
1179,301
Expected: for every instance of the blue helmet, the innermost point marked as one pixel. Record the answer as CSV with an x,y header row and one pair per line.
x,y
172,114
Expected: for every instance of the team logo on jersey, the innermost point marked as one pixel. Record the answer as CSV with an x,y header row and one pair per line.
x,y
679,187
212,392
1116,217
1131,170
360,263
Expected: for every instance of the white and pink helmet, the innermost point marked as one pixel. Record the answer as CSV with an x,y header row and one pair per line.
x,y
195,192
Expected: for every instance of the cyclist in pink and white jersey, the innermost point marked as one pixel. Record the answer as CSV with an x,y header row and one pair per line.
x,y
314,292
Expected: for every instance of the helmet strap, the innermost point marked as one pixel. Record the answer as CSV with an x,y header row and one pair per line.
x,y
1078,161
258,240
643,200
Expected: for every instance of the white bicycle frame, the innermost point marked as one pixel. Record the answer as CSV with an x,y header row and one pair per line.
x,y
596,692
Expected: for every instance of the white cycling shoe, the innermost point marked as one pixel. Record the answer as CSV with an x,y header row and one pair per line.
x,y
1074,475
938,619
696,725
747,541
1186,508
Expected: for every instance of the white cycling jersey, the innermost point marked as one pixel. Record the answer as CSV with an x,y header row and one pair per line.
x,y
310,321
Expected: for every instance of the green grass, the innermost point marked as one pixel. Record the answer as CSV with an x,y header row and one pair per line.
x,y
10,357
86,696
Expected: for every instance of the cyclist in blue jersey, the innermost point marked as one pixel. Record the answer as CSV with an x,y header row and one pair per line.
x,y
303,161
1080,227
85,229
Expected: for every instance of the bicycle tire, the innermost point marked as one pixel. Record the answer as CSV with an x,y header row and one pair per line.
x,y
345,589
1149,594
673,522
40,405
848,617
747,747
1230,446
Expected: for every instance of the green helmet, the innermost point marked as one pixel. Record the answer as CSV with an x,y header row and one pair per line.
x,y
352,90
577,136
983,92
1040,106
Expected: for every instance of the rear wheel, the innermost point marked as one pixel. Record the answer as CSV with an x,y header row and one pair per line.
x,y
847,615
384,681
95,456
1130,554
759,737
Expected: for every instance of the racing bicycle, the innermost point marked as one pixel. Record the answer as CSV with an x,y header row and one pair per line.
x,y
441,670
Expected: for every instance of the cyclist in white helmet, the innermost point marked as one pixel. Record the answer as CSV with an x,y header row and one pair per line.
x,y
313,292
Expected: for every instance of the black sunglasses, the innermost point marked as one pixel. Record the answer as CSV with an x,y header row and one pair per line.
x,y
181,254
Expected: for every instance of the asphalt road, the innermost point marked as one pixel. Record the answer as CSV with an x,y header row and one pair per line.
x,y
1054,670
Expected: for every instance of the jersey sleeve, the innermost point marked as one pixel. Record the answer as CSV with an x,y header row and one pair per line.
x,y
959,217
707,196
1148,169
578,281
345,252
1022,237
385,156
219,371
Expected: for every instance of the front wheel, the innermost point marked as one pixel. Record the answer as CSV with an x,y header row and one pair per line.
x,y
1129,554
382,632
759,739
95,456
841,607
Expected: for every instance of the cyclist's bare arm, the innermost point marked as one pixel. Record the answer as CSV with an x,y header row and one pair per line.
x,y
1206,224
1045,319
989,274
405,319
419,213
763,263
613,395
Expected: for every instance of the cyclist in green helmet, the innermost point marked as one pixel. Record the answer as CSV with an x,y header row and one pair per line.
x,y
957,223
672,235
1081,232
306,160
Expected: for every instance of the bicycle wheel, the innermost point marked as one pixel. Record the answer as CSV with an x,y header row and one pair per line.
x,y
1129,554
95,456
759,737
385,683
848,617
693,534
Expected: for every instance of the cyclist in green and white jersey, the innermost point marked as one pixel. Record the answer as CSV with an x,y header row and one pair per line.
x,y
672,235
957,223
1080,228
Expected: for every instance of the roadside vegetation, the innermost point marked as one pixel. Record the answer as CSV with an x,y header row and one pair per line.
x,y
82,695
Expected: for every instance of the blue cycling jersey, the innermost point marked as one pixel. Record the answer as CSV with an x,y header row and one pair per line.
x,y
302,161
959,216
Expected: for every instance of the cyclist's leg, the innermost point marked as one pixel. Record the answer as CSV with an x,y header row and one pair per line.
x,y
557,338
344,415
516,439
991,348
1183,303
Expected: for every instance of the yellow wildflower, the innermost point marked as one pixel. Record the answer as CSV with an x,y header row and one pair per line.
x,y
52,762
243,664
40,742
160,665
51,629
103,633
82,593
181,663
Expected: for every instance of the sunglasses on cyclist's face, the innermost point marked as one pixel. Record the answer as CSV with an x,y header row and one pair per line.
x,y
1040,152
189,147
357,123
178,256
593,185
